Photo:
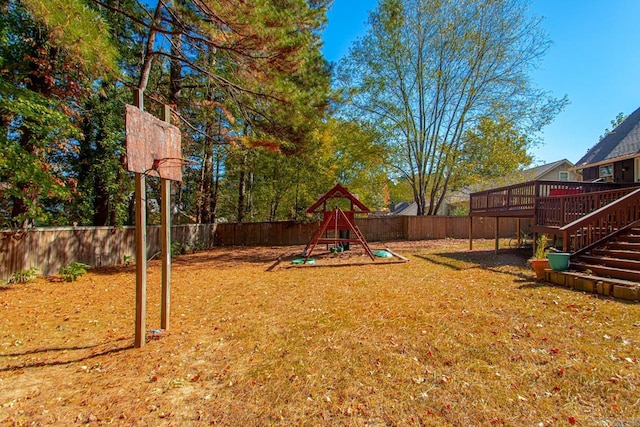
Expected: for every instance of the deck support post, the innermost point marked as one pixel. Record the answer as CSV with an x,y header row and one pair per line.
x,y
470,233
497,234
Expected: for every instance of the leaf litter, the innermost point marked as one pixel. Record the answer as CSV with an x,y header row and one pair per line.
x,y
453,337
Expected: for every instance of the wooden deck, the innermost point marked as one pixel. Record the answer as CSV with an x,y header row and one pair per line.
x,y
597,223
513,199
552,206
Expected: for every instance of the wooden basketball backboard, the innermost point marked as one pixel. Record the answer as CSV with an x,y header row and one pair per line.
x,y
153,146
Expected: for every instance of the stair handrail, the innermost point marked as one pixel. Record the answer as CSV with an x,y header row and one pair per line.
x,y
592,217
605,239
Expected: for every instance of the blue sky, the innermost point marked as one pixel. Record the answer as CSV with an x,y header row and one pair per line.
x,y
595,61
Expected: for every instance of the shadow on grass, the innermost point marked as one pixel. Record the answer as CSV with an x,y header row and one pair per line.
x,y
219,257
485,260
534,284
481,259
123,344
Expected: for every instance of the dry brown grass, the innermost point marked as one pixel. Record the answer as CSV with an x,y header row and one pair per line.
x,y
450,338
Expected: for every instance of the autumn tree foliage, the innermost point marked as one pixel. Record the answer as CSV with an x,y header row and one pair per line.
x,y
43,79
245,80
447,85
439,91
241,75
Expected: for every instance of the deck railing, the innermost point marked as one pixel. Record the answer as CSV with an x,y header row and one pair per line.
x,y
524,196
601,223
557,211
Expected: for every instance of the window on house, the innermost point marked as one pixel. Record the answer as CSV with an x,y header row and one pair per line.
x,y
564,175
606,170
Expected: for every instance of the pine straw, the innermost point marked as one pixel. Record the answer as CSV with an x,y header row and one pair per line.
x,y
450,338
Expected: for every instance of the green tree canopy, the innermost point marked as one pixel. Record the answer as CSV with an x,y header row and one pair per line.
x,y
44,76
428,72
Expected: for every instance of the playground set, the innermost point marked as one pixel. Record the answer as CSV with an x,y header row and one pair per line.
x,y
339,233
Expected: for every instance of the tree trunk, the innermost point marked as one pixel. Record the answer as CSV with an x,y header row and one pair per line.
x,y
175,69
241,189
216,184
101,210
175,88
149,51
206,179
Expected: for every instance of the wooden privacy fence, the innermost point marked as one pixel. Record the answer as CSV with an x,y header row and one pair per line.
x,y
49,249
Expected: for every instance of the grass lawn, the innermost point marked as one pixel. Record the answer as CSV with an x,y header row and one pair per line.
x,y
450,338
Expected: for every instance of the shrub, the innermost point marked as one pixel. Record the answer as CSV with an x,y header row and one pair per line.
x,y
74,270
541,247
126,260
23,276
177,248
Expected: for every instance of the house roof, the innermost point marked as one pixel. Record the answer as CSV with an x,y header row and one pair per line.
x,y
540,171
530,174
406,208
622,141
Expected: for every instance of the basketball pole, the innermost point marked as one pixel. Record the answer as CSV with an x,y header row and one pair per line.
x,y
165,196
141,244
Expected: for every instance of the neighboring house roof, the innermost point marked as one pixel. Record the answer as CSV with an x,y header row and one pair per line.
x,y
532,174
406,208
540,171
622,141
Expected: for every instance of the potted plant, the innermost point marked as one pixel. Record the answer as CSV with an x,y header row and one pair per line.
x,y
539,262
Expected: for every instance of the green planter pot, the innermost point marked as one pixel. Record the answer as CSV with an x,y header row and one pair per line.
x,y
558,261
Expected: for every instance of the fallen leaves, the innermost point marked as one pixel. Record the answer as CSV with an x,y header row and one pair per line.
x,y
397,344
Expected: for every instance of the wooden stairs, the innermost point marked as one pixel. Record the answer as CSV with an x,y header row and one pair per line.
x,y
606,245
610,269
618,258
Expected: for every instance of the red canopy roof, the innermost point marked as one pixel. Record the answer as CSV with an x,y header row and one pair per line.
x,y
338,192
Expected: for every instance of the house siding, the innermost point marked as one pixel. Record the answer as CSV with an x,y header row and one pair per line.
x,y
554,174
623,172
590,174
